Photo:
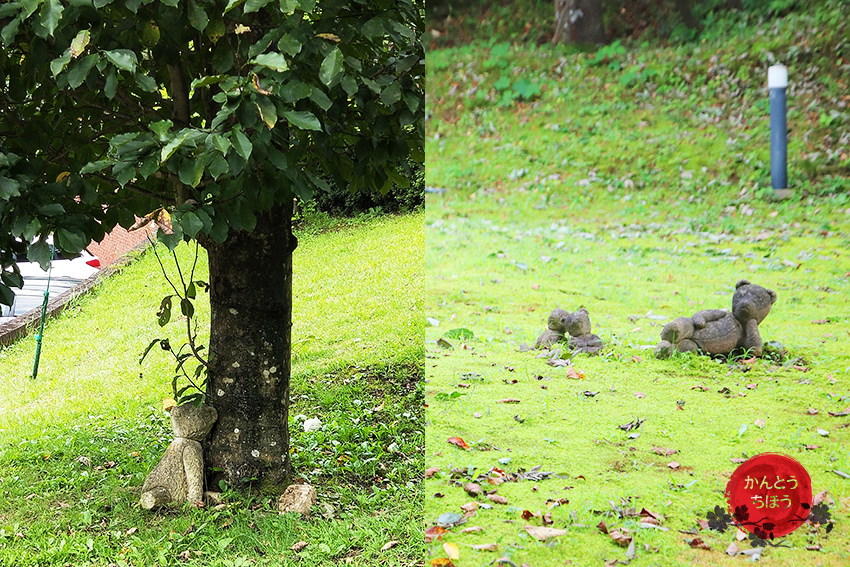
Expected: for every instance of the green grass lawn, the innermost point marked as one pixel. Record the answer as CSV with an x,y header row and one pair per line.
x,y
78,442
635,182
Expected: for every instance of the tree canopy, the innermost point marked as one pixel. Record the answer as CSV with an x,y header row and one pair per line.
x,y
215,110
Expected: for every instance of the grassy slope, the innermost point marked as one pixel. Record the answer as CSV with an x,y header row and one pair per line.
x,y
625,195
92,399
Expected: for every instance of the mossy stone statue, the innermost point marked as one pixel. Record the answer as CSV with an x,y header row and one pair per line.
x,y
179,475
577,325
721,332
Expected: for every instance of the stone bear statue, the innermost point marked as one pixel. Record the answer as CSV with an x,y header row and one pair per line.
x,y
720,332
179,475
577,325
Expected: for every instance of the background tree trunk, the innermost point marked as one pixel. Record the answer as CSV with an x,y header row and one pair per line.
x,y
578,21
248,384
684,8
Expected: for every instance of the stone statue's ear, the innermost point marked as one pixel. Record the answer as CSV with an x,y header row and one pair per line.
x,y
742,282
772,295
585,310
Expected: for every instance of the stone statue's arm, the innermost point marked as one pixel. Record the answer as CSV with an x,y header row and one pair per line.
x,y
701,318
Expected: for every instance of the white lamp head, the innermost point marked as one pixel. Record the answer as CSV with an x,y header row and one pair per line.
x,y
777,77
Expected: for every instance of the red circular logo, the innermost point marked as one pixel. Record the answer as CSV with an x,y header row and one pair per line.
x,y
769,495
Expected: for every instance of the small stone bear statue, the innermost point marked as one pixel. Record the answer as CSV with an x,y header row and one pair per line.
x,y
720,332
179,475
577,325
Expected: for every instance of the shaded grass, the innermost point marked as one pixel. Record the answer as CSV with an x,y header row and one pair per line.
x,y
93,400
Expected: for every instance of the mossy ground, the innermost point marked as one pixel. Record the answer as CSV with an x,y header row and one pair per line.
x,y
596,183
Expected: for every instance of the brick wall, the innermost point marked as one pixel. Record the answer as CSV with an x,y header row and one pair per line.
x,y
117,243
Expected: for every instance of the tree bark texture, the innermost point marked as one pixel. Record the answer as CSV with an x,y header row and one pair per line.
x,y
250,345
578,21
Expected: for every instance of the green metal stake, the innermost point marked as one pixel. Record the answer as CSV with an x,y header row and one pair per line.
x,y
43,316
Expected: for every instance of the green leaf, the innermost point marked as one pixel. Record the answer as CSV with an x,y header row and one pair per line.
x,y
145,82
78,73
219,229
268,112
10,30
207,81
186,307
197,17
7,296
123,59
320,98
172,146
172,3
71,241
148,349
111,86
292,91
221,143
191,292
303,119
232,4
40,252
79,43
255,5
161,128
241,144
349,85
391,94
218,166
58,65
170,240
289,45
273,61
149,165
374,27
12,279
331,67
51,209
51,12
96,166
9,188
191,171
190,223
164,312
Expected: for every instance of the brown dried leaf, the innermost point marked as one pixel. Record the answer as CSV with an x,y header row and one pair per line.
x,y
472,529
389,545
298,546
508,401
812,447
431,471
485,547
473,488
457,441
497,499
441,562
738,460
602,527
621,536
733,549
703,524
673,465
640,395
469,506
812,411
543,533
697,543
752,386
574,374
434,532
760,423
664,451
813,547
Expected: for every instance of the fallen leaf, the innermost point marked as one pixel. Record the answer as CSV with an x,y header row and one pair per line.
x,y
733,549
574,374
800,368
640,395
441,562
630,552
476,415
740,534
485,547
472,529
738,460
823,432
602,527
298,546
819,497
389,545
813,547
508,401
473,488
543,533
703,524
131,531
673,465
812,411
664,451
842,474
812,447
759,423
752,386
459,442
451,550
621,538
697,543
497,498
434,532
431,471
701,387
469,507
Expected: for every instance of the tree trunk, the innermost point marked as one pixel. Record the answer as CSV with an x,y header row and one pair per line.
x,y
250,346
684,7
578,21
